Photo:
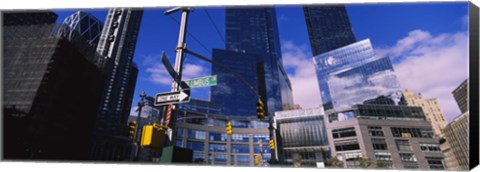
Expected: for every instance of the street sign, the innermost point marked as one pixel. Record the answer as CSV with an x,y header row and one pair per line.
x,y
169,68
171,98
202,82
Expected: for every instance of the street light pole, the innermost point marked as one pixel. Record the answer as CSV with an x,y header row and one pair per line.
x,y
136,137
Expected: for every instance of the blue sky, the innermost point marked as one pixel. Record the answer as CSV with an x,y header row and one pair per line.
x,y
422,39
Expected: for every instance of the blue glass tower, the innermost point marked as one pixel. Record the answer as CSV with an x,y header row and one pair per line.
x,y
352,74
254,32
328,28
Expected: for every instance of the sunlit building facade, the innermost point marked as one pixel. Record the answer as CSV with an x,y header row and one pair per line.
x,y
430,107
390,136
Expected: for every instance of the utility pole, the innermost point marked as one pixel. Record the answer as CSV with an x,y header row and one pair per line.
x,y
181,45
136,138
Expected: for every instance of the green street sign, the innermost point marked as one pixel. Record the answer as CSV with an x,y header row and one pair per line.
x,y
202,82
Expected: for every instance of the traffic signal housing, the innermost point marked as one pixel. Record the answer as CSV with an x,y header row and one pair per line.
x,y
132,125
229,128
257,159
260,110
272,144
153,137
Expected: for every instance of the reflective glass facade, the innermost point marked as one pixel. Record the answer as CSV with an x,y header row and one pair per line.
x,y
303,132
254,31
352,74
328,27
234,97
87,25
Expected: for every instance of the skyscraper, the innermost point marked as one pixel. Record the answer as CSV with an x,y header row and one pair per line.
x,y
87,25
430,107
461,96
254,31
51,90
328,27
117,46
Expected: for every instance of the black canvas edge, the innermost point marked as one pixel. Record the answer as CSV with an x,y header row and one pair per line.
x,y
473,83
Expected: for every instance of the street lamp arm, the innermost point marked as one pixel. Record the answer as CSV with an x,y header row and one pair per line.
x,y
226,68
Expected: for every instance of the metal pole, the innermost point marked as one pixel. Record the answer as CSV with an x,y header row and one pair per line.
x,y
181,45
136,138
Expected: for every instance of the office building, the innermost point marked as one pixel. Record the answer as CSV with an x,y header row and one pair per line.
x,y
388,135
117,46
430,107
51,91
352,74
87,25
253,31
328,27
461,96
302,132
33,17
455,143
202,106
457,136
205,134
234,97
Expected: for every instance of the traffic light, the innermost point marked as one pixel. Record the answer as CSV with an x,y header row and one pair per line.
x,y
257,159
229,128
132,125
153,137
260,110
272,144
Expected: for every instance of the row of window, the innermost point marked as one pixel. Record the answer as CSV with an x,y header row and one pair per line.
x,y
409,161
377,131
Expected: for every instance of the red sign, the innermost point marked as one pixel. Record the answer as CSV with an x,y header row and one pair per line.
x,y
169,113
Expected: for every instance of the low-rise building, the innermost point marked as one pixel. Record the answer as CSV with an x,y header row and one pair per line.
x,y
386,135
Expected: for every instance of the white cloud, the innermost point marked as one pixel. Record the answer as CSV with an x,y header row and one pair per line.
x,y
432,65
303,79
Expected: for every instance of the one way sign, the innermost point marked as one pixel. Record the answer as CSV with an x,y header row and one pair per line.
x,y
171,98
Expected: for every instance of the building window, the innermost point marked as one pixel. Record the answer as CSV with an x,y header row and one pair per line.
x,y
344,132
430,147
198,146
408,157
240,149
384,160
375,131
412,132
379,144
213,136
352,159
217,147
435,163
347,145
240,137
194,134
403,145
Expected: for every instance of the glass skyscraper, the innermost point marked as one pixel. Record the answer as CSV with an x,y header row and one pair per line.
x,y
328,27
87,25
353,74
253,31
